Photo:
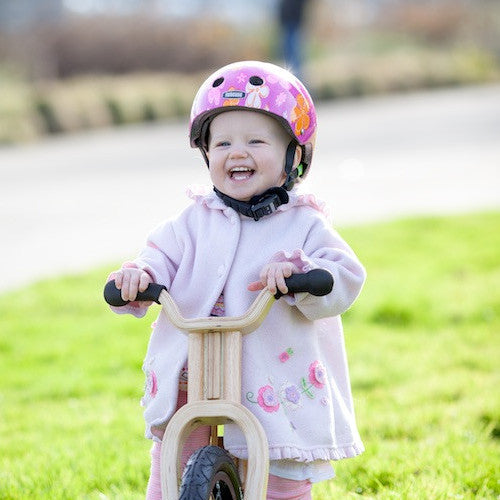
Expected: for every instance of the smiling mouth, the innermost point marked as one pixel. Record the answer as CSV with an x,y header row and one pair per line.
x,y
241,173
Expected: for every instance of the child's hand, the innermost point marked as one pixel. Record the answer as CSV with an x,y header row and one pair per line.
x,y
131,281
273,277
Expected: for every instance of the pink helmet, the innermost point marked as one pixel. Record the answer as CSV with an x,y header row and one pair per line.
x,y
257,86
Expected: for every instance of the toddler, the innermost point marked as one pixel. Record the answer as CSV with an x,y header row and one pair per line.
x,y
255,125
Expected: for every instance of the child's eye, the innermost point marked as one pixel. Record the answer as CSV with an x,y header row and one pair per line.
x,y
256,141
222,144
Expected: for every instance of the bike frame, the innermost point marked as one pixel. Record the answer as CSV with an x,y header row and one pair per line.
x,y
214,392
214,386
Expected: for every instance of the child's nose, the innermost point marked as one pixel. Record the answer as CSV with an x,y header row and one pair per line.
x,y
238,152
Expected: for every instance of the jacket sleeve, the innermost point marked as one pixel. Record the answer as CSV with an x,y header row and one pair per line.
x,y
159,258
162,254
324,248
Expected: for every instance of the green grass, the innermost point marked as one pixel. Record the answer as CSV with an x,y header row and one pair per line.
x,y
423,345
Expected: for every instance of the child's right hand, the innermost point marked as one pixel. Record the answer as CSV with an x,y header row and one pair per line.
x,y
131,281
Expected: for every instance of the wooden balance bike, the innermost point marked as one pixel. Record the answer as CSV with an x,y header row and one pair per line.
x,y
214,397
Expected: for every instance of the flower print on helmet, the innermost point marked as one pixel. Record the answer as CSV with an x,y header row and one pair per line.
x,y
257,86
256,91
300,115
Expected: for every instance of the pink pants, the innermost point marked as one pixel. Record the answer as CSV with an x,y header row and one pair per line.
x,y
278,488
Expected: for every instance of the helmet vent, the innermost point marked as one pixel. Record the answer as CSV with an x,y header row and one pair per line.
x,y
256,80
218,82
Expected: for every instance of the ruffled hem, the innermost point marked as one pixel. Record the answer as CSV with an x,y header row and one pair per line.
x,y
309,200
292,453
204,195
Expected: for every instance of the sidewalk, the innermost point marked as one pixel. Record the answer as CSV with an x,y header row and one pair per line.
x,y
72,203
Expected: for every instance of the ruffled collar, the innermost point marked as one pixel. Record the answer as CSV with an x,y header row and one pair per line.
x,y
205,195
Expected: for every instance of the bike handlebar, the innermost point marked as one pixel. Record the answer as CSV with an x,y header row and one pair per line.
x,y
317,282
113,297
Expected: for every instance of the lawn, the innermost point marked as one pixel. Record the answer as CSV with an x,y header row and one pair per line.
x,y
423,344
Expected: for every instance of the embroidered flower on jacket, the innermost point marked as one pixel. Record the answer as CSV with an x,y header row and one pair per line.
x,y
267,399
151,383
306,389
285,355
317,374
290,396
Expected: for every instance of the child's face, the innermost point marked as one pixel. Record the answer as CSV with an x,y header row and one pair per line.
x,y
246,153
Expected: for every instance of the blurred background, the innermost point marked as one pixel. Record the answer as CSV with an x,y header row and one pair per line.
x,y
68,65
94,103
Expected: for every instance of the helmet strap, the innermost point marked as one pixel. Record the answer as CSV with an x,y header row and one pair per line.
x,y
291,173
258,206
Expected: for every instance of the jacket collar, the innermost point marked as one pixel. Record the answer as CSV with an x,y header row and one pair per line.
x,y
204,195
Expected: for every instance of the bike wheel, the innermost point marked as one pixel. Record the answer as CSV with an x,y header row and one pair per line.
x,y
210,474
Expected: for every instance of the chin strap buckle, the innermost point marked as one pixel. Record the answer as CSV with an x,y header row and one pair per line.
x,y
265,207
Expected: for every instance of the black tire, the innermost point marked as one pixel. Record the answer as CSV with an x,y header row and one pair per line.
x,y
210,474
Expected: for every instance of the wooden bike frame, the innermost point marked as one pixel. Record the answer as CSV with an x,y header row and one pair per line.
x,y
214,386
214,392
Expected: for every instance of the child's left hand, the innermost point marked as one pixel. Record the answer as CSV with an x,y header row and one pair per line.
x,y
273,277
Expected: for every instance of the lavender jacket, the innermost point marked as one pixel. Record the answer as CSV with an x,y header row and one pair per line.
x,y
295,374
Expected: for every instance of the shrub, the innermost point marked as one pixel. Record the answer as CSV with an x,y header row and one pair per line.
x,y
117,45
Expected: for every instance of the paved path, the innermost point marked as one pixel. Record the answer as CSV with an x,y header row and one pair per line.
x,y
72,203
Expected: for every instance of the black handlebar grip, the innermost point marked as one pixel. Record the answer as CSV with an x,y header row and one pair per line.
x,y
317,282
113,296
